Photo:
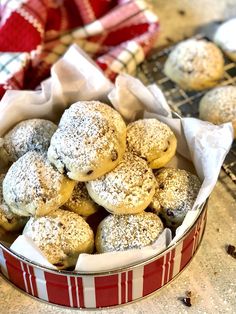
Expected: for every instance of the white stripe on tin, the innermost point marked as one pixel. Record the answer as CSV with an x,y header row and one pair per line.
x,y
3,265
119,289
24,277
137,284
177,259
41,284
77,291
163,271
89,291
126,287
69,291
30,280
168,271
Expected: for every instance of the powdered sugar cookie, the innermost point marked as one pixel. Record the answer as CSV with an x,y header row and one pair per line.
x,y
195,64
128,189
219,106
151,140
61,236
33,187
225,38
124,232
28,135
80,202
175,194
90,141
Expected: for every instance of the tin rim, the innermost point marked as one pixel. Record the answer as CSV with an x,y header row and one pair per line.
x,y
106,272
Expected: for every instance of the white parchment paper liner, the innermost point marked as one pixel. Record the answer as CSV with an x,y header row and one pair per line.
x,y
75,77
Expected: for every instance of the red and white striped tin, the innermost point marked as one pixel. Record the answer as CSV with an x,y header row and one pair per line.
x,y
104,289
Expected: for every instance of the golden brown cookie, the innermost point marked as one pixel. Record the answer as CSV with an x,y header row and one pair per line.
x,y
80,202
195,64
151,140
128,189
219,106
61,236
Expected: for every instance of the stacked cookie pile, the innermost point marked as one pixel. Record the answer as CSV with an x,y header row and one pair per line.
x,y
60,177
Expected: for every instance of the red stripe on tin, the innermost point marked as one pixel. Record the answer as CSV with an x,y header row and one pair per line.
x,y
172,264
123,288
152,276
187,249
14,270
26,276
106,290
57,289
130,282
73,292
80,292
33,280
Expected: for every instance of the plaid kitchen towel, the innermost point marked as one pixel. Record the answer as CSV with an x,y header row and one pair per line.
x,y
117,34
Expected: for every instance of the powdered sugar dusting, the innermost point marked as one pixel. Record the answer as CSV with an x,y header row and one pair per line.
x,y
148,137
32,180
88,134
219,105
175,194
28,135
60,235
128,186
123,232
194,63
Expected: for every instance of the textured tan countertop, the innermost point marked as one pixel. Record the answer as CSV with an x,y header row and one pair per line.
x,y
211,276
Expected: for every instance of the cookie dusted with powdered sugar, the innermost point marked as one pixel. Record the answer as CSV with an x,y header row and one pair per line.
x,y
225,38
90,141
28,135
124,232
61,236
151,140
175,194
128,189
219,106
80,202
195,64
33,187
8,220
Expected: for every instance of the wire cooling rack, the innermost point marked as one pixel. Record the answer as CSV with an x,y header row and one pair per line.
x,y
185,103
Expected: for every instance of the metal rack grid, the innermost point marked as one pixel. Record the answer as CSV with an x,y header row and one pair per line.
x,y
186,103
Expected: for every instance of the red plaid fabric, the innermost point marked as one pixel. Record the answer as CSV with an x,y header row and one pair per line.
x,y
35,33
